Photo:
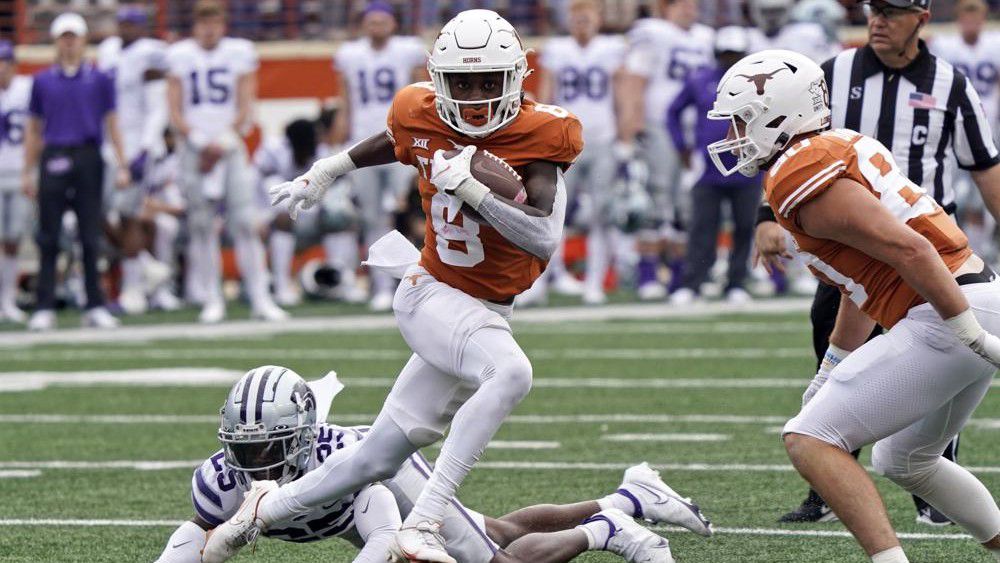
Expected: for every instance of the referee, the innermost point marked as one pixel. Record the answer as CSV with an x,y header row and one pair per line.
x,y
929,115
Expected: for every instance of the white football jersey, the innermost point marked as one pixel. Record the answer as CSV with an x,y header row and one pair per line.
x,y
666,55
13,113
129,65
979,62
807,38
218,491
209,80
373,78
583,77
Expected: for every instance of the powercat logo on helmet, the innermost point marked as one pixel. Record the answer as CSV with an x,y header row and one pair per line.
x,y
759,80
471,60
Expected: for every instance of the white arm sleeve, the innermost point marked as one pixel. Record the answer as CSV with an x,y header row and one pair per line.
x,y
155,93
538,235
184,545
377,519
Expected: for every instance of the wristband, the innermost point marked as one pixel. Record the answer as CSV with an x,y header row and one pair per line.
x,y
765,214
832,358
966,327
472,192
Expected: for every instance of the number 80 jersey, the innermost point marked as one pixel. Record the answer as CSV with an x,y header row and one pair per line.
x,y
464,254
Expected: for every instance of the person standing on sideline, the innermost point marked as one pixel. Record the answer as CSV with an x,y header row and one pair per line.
x,y
15,210
582,75
929,115
372,69
138,65
712,189
72,107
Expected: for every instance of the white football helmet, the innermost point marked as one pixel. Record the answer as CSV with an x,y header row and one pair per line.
x,y
771,15
268,425
770,97
478,41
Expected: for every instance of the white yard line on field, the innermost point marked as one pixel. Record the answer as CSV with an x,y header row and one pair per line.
x,y
353,323
248,353
19,473
667,437
66,522
509,465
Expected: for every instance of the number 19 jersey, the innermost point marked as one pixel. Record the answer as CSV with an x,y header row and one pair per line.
x,y
209,80
374,76
464,254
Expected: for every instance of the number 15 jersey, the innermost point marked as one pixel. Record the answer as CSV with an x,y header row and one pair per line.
x,y
464,254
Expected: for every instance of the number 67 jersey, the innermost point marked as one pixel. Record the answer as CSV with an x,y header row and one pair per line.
x,y
464,254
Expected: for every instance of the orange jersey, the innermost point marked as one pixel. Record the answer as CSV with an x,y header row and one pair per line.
x,y
464,254
812,165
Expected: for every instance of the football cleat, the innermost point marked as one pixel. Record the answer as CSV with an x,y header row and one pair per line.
x,y
212,312
422,543
929,516
657,503
42,320
813,509
268,311
226,540
631,540
99,317
10,312
381,302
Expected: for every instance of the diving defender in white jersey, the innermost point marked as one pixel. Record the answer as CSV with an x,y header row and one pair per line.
x,y
273,427
661,55
372,69
138,65
211,87
582,74
15,209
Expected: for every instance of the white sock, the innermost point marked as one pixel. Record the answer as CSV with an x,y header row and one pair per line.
x,y
131,274
598,533
892,555
8,279
619,501
167,228
211,268
341,251
597,259
250,258
282,246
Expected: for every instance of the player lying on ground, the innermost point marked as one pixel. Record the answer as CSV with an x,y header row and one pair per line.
x,y
899,260
269,430
483,246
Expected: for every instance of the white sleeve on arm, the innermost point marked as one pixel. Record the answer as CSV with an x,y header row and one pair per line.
x,y
538,235
377,519
184,545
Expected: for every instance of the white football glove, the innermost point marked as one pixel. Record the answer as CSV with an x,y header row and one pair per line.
x,y
450,172
831,359
308,189
973,335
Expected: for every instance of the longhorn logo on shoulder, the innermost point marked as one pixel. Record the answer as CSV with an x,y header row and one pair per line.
x,y
759,80
420,143
470,60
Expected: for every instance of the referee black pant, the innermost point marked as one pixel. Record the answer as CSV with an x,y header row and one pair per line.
x,y
70,177
823,316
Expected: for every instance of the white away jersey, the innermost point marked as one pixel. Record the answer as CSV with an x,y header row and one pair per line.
x,y
979,62
13,111
209,80
666,55
373,78
218,491
129,66
807,38
583,77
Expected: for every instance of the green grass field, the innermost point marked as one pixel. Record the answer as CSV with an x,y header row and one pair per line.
x,y
701,398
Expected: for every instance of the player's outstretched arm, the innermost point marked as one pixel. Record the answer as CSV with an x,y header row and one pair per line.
x,y
847,213
308,189
186,543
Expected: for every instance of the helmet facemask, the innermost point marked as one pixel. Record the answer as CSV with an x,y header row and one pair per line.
x,y
739,144
478,118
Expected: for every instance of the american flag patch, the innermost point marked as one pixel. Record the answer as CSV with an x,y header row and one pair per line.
x,y
922,101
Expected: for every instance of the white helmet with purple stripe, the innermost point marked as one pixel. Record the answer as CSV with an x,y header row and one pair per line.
x,y
268,425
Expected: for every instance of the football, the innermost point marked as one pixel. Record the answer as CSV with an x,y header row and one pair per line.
x,y
497,175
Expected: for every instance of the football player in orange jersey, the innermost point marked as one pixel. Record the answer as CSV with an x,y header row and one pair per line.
x,y
467,371
899,260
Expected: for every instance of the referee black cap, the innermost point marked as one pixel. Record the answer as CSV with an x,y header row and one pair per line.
x,y
920,4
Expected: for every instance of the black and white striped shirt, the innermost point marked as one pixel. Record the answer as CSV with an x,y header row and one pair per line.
x,y
927,113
